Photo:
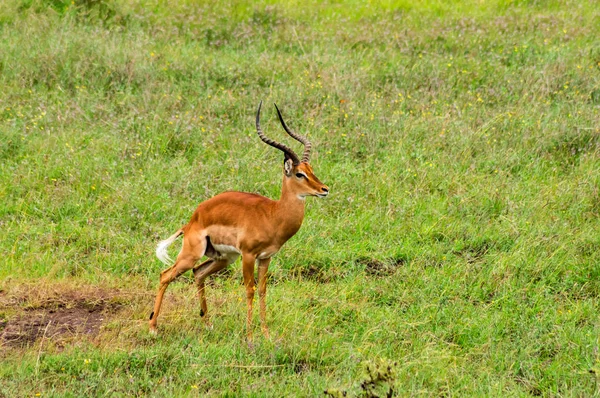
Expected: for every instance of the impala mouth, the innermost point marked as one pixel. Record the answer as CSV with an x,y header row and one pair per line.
x,y
322,195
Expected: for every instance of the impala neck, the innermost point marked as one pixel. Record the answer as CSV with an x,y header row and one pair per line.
x,y
290,209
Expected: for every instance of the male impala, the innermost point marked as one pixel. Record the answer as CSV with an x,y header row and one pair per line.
x,y
234,223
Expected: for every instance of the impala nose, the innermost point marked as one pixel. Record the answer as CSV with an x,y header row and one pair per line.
x,y
324,191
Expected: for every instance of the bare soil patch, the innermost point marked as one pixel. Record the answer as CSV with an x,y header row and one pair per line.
x,y
54,314
25,329
374,267
316,273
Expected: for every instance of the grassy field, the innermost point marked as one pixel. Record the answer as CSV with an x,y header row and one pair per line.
x,y
459,246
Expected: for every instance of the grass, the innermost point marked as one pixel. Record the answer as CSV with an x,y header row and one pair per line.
x,y
459,244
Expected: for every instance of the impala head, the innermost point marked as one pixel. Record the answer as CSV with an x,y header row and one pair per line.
x,y
299,175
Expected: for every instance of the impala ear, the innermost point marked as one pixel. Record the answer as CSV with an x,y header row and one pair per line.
x,y
288,164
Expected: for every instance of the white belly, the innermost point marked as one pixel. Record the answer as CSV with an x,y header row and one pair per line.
x,y
231,253
265,255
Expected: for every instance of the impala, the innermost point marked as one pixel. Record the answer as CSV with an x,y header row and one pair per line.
x,y
239,223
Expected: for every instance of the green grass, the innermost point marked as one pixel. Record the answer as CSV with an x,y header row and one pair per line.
x,y
460,141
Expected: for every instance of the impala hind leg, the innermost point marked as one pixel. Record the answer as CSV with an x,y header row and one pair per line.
x,y
263,267
167,276
201,272
193,249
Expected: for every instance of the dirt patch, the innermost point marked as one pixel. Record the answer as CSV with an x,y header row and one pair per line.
x,y
301,366
374,267
54,315
66,322
316,273
475,251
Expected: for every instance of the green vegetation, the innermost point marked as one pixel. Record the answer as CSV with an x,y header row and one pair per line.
x,y
460,241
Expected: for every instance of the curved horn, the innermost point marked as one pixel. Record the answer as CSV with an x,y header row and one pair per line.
x,y
284,148
298,137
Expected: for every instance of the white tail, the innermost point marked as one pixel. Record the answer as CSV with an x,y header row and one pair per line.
x,y
161,249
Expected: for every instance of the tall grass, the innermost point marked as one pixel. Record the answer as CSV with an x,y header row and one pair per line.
x,y
460,141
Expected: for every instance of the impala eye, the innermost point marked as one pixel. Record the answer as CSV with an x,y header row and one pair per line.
x,y
300,175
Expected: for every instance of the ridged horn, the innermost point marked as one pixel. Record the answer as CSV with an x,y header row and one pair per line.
x,y
284,148
298,137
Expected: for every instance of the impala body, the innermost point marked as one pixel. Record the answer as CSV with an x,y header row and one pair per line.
x,y
239,223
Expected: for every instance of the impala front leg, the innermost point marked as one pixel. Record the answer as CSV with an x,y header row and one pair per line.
x,y
248,261
263,267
